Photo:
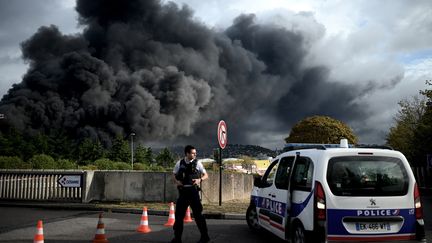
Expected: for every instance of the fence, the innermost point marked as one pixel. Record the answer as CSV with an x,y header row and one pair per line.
x,y
41,185
109,186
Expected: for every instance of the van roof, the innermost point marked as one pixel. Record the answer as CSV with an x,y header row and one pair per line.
x,y
301,146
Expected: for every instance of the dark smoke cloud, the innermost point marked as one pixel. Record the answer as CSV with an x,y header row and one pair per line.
x,y
140,66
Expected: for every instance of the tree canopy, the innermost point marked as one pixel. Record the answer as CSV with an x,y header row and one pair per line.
x,y
412,131
320,129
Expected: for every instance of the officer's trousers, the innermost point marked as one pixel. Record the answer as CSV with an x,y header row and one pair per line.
x,y
189,196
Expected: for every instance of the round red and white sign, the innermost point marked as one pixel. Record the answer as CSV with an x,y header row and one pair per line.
x,y
222,134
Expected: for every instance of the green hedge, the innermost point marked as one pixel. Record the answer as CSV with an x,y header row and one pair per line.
x,y
13,162
66,164
42,161
122,166
104,164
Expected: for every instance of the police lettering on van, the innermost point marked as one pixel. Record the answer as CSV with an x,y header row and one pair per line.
x,y
382,212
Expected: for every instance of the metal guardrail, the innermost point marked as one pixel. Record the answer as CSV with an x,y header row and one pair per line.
x,y
41,185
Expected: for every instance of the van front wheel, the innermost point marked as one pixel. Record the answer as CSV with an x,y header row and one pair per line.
x,y
298,234
252,218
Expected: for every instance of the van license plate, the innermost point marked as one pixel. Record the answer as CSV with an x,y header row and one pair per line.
x,y
373,227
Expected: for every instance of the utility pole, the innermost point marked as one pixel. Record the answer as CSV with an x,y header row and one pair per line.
x,y
132,149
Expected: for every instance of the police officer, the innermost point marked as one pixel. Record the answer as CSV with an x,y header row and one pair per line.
x,y
188,174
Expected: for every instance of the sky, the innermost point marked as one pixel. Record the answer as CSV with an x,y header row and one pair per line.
x,y
384,45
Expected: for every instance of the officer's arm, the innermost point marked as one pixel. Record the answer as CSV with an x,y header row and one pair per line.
x,y
203,177
178,183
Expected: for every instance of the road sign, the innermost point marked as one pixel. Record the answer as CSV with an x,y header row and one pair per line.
x,y
222,134
70,181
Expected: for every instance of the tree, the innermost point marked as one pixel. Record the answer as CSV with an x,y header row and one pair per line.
x,y
320,129
61,146
402,135
423,133
143,155
120,151
165,158
89,151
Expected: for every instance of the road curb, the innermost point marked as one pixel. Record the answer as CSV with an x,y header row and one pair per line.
x,y
93,207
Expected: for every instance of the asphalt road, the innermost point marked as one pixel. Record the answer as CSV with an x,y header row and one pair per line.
x,y
18,224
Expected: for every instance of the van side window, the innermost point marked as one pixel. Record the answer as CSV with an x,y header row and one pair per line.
x,y
270,173
303,174
283,173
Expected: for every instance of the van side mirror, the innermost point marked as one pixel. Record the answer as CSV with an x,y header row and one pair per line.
x,y
257,181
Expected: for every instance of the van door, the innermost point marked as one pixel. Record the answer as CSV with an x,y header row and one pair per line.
x,y
373,198
275,203
302,193
264,193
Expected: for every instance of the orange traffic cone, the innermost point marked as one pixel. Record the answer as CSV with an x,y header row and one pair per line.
x,y
39,237
171,217
144,225
188,218
100,232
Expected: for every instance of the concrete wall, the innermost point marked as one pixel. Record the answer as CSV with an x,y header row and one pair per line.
x,y
134,186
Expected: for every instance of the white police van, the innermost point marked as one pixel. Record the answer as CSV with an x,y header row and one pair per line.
x,y
343,194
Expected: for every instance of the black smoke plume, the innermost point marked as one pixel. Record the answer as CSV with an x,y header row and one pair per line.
x,y
146,67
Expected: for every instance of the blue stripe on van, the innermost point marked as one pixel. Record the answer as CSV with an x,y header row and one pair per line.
x,y
279,208
335,216
297,208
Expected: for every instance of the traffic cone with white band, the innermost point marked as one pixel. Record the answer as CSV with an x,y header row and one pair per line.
x,y
144,225
188,217
171,217
39,236
100,232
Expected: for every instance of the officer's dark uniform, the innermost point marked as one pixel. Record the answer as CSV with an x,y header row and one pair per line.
x,y
189,195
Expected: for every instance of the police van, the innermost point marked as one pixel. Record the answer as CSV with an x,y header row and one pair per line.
x,y
344,194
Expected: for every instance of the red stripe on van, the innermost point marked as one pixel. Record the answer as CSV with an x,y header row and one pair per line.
x,y
373,238
277,226
272,223
264,218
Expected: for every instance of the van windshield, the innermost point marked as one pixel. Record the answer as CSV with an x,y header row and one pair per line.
x,y
367,176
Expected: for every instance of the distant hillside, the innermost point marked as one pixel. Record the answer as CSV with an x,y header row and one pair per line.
x,y
232,150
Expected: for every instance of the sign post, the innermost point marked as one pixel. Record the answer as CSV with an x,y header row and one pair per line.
x,y
223,140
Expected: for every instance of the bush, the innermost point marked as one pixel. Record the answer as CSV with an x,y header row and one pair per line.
x,y
66,164
13,162
156,168
140,166
42,161
122,166
104,164
88,167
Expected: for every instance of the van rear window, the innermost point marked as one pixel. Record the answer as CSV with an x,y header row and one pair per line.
x,y
367,176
